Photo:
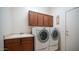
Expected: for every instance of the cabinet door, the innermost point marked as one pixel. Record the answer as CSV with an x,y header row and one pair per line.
x,y
12,45
48,20
32,18
27,44
40,19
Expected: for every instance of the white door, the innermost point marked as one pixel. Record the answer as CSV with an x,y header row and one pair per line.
x,y
72,30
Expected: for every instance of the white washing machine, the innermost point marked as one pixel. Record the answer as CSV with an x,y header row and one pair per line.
x,y
54,39
41,38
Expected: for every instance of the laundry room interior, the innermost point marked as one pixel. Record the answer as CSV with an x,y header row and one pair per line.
x,y
39,29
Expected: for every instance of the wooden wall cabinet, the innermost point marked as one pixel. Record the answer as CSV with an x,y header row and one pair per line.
x,y
39,19
19,44
32,18
48,20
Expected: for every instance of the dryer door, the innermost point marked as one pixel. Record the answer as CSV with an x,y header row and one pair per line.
x,y
43,36
54,34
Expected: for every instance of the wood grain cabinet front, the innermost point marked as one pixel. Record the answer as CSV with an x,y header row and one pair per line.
x,y
12,45
39,19
48,20
21,44
27,44
32,18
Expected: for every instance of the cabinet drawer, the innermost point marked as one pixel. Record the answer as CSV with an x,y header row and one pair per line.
x,y
27,45
27,40
11,41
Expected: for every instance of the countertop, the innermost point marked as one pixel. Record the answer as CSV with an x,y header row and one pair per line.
x,y
18,36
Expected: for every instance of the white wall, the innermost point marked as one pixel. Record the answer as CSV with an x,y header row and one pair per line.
x,y
15,20
20,18
5,24
61,27
1,41
6,21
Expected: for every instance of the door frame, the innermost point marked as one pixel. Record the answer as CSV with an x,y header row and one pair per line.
x,y
66,22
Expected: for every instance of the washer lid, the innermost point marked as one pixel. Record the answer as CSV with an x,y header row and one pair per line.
x,y
43,36
54,34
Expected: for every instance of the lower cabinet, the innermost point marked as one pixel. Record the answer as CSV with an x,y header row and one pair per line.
x,y
27,45
19,44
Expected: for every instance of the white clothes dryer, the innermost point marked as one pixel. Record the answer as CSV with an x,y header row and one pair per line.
x,y
54,39
41,38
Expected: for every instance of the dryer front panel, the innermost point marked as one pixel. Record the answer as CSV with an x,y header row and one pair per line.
x,y
43,36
